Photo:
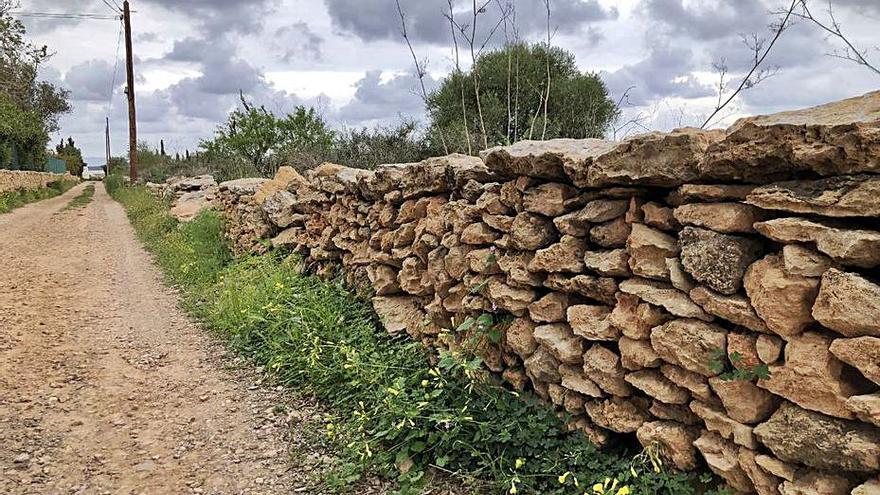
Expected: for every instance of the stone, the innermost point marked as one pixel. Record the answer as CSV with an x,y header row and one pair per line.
x,y
736,308
572,224
413,277
556,393
689,343
479,234
648,249
659,216
831,139
573,402
862,353
566,256
456,261
531,232
722,458
744,401
800,260
695,383
597,436
617,414
726,218
714,192
784,301
558,338
654,158
279,208
816,483
841,196
243,187
848,303
678,277
776,467
513,299
765,483
543,159
603,367
812,377
716,420
680,413
383,279
483,261
611,263
400,313
769,348
854,247
675,440
865,407
870,487
743,345
715,260
600,289
656,385
515,265
516,377
541,366
291,238
611,234
520,337
548,199
665,296
592,322
573,378
637,354
635,318
550,308
603,210
800,436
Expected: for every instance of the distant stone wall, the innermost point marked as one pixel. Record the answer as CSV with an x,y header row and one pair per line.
x,y
12,180
637,278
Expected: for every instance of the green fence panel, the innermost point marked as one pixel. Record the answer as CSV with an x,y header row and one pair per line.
x,y
55,165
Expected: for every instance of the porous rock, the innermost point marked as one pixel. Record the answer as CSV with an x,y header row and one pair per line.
x,y
666,296
592,322
848,304
784,301
862,353
841,196
656,385
689,343
722,458
648,249
676,441
718,261
735,309
805,437
727,218
617,414
848,246
602,366
558,338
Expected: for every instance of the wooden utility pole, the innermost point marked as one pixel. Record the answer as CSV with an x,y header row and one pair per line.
x,y
107,145
129,91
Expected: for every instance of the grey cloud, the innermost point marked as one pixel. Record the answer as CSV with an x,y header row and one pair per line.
x,y
665,72
375,101
217,17
90,81
708,19
297,42
373,20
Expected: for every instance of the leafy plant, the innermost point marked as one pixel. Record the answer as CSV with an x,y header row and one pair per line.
x,y
730,367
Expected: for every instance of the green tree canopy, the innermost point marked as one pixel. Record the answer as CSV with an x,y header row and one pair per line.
x,y
29,108
259,137
72,156
512,85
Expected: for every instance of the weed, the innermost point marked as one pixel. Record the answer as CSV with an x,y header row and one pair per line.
x,y
84,198
16,199
392,413
730,367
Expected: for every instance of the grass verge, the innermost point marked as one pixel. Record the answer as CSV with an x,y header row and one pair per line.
x,y
16,199
84,198
393,413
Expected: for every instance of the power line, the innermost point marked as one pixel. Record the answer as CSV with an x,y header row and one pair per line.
x,y
111,7
56,15
115,71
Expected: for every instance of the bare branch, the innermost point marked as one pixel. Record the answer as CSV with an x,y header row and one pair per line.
x,y
452,26
749,81
833,29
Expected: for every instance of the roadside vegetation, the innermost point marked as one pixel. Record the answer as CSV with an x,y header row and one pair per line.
x,y
394,414
16,199
84,198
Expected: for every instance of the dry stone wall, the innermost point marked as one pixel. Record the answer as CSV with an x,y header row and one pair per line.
x,y
13,180
632,273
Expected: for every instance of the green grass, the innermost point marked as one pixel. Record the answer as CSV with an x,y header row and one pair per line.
x,y
393,413
16,199
84,198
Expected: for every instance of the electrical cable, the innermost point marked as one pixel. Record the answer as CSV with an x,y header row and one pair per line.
x,y
54,15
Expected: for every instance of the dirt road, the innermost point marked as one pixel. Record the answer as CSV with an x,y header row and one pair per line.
x,y
105,387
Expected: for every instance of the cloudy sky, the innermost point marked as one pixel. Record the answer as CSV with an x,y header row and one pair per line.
x,y
347,58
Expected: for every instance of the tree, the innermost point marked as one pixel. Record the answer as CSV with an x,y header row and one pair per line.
x,y
578,105
71,155
258,137
20,63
